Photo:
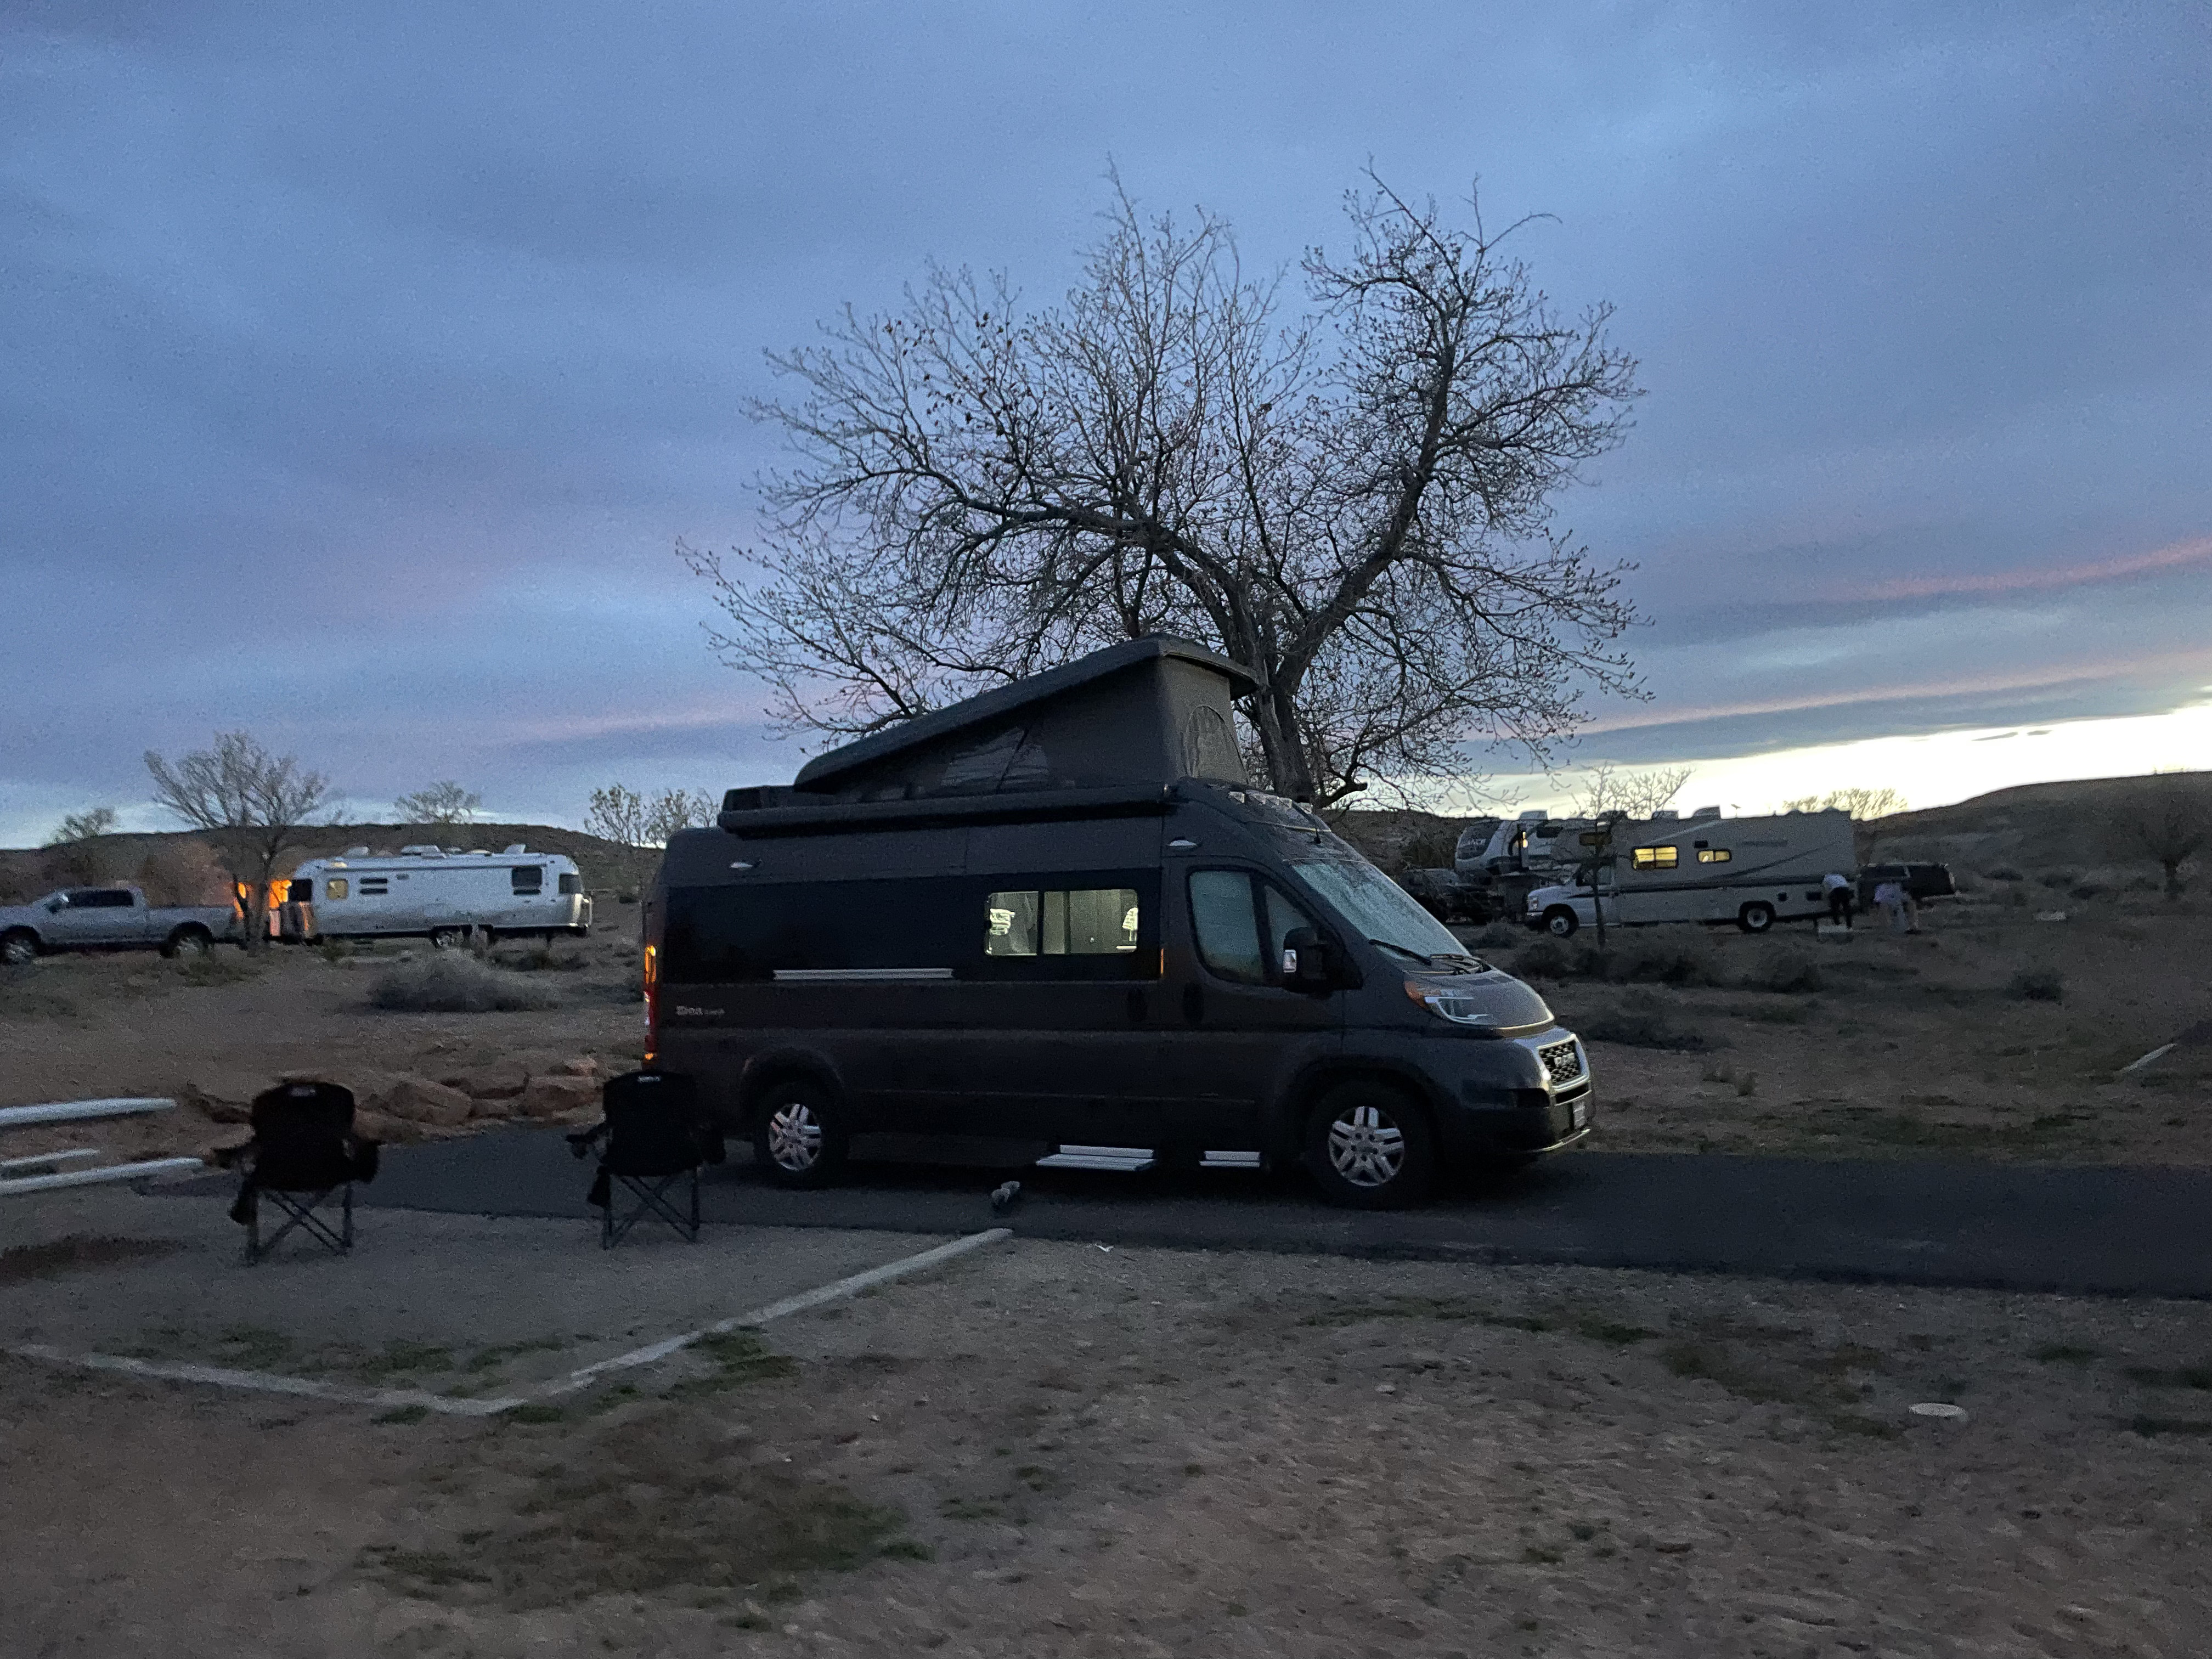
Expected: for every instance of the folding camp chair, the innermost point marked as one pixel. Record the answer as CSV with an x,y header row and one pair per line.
x,y
303,1151
655,1137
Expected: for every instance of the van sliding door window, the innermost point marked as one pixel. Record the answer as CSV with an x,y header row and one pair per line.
x,y
1090,921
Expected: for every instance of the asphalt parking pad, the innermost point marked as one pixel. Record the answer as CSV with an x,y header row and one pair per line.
x,y
460,1306
2033,1227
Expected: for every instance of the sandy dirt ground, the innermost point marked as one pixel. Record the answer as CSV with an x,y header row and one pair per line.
x,y
1907,1046
228,1025
1057,1449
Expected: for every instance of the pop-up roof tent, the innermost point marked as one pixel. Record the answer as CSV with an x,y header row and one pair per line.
x,y
1143,712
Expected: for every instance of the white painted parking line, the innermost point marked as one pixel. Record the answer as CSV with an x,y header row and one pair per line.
x,y
221,1376
310,1387
835,1291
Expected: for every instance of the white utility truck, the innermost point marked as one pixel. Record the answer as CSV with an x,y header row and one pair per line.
x,y
436,892
1753,871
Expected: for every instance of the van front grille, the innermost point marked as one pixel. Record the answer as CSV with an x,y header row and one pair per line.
x,y
1563,1062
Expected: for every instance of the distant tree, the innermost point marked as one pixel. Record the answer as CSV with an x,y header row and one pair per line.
x,y
1357,503
2167,818
618,814
83,826
252,806
438,803
1630,795
1862,804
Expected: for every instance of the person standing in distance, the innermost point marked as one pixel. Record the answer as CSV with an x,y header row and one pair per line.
x,y
1840,897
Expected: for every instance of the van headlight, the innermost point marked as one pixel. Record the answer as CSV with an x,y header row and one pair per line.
x,y
1457,1006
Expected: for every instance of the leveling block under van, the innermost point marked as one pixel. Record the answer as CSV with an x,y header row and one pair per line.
x,y
1057,914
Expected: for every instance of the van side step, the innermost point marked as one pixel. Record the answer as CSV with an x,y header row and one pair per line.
x,y
1126,1160
1129,1160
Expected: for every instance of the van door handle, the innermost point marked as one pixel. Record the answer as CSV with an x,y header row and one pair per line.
x,y
1193,1003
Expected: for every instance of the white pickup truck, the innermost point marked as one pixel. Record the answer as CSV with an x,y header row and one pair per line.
x,y
110,918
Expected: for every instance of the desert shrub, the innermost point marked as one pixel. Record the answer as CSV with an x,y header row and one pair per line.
x,y
1638,1021
2057,878
539,959
2037,985
1548,958
1790,971
1499,936
452,983
2004,873
1669,957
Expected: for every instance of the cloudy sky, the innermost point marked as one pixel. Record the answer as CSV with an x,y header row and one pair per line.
x,y
359,367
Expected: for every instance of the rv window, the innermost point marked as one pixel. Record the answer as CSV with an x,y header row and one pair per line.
x,y
335,888
529,878
1655,858
1010,924
571,883
1714,855
1221,920
1095,921
373,885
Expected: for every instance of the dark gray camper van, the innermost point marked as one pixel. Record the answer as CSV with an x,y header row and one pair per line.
x,y
1056,913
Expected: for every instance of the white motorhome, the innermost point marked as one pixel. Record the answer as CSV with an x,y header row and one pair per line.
x,y
1533,842
440,893
1753,871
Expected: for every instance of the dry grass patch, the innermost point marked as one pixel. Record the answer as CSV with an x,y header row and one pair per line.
x,y
454,983
21,1263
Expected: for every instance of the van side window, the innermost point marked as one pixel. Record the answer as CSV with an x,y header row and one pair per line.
x,y
1282,917
1089,921
1714,855
1222,921
529,878
1655,858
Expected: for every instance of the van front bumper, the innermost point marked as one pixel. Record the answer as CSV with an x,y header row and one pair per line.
x,y
1486,1118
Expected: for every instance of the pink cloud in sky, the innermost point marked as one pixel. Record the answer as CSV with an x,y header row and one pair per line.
x,y
2199,659
2196,551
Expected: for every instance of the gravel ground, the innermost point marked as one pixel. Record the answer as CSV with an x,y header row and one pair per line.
x,y
1060,1450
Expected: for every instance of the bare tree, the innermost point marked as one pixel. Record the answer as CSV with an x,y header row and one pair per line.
x,y
1355,503
2167,818
251,804
83,826
1863,804
1629,795
640,823
438,803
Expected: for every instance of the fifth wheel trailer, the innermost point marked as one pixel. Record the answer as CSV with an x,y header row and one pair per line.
x,y
1753,872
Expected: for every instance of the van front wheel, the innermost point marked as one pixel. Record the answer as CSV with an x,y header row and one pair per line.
x,y
798,1139
1561,922
1370,1148
1755,918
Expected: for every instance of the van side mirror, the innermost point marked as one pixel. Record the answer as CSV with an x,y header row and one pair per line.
x,y
1308,961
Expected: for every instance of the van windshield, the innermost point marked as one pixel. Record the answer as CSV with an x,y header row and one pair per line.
x,y
1385,913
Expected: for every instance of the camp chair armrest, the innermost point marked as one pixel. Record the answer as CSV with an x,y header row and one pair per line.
x,y
230,1157
581,1141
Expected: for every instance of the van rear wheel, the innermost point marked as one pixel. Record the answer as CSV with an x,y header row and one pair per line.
x,y
799,1135
1370,1148
445,938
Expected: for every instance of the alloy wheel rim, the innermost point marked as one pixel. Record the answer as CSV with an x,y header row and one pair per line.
x,y
794,1137
1365,1148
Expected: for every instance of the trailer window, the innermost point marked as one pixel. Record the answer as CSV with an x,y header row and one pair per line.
x,y
1714,855
335,887
571,883
1655,858
529,878
373,885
